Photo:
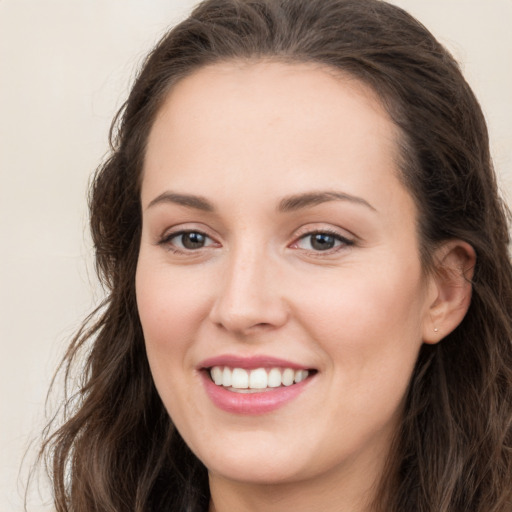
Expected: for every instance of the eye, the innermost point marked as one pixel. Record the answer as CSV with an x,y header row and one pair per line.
x,y
187,240
322,241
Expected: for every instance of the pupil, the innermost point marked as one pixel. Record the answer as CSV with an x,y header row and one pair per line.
x,y
192,240
322,242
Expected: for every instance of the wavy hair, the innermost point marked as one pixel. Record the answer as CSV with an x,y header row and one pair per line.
x,y
117,449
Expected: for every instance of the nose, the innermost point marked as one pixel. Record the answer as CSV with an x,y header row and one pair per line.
x,y
249,298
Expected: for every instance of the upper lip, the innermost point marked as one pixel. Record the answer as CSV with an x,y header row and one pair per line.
x,y
249,362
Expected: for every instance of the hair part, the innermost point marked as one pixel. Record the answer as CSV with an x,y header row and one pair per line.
x,y
117,448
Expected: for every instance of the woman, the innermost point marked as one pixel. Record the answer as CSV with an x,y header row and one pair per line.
x,y
310,289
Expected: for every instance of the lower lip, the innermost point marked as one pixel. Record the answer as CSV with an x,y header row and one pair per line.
x,y
252,403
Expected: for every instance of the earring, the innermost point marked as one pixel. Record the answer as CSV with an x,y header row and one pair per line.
x,y
436,329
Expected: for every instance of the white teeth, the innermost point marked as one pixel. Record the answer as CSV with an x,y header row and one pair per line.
x,y
300,375
226,377
274,378
288,376
239,378
217,375
259,378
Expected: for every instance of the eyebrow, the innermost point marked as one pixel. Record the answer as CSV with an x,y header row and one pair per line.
x,y
300,201
287,204
188,200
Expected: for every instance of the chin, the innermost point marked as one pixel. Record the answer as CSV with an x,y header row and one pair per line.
x,y
259,472
263,464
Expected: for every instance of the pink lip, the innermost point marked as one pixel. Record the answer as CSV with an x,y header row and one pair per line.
x,y
250,403
249,363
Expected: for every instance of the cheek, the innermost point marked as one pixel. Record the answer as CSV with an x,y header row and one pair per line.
x,y
171,308
369,324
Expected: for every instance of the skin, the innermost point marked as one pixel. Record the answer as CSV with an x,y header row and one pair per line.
x,y
243,136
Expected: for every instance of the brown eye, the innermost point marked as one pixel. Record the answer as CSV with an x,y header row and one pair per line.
x,y
187,240
192,240
322,241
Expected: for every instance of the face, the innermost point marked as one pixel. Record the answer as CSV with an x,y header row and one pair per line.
x,y
279,283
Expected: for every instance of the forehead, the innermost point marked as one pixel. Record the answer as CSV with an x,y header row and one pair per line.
x,y
234,93
292,126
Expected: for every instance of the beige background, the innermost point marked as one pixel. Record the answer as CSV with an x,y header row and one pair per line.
x,y
65,68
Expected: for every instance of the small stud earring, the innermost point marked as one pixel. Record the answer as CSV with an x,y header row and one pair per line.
x,y
436,329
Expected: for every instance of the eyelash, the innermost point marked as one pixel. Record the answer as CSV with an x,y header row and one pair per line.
x,y
166,240
343,242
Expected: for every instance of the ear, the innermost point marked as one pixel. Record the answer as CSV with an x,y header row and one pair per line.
x,y
450,287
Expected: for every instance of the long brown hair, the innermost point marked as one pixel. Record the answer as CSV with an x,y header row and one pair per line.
x,y
117,448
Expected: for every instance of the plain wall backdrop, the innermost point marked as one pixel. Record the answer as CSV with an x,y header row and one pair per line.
x,y
65,68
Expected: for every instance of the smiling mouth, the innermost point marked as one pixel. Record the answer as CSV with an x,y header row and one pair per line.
x,y
257,380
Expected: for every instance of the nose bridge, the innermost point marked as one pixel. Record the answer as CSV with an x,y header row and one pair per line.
x,y
248,296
